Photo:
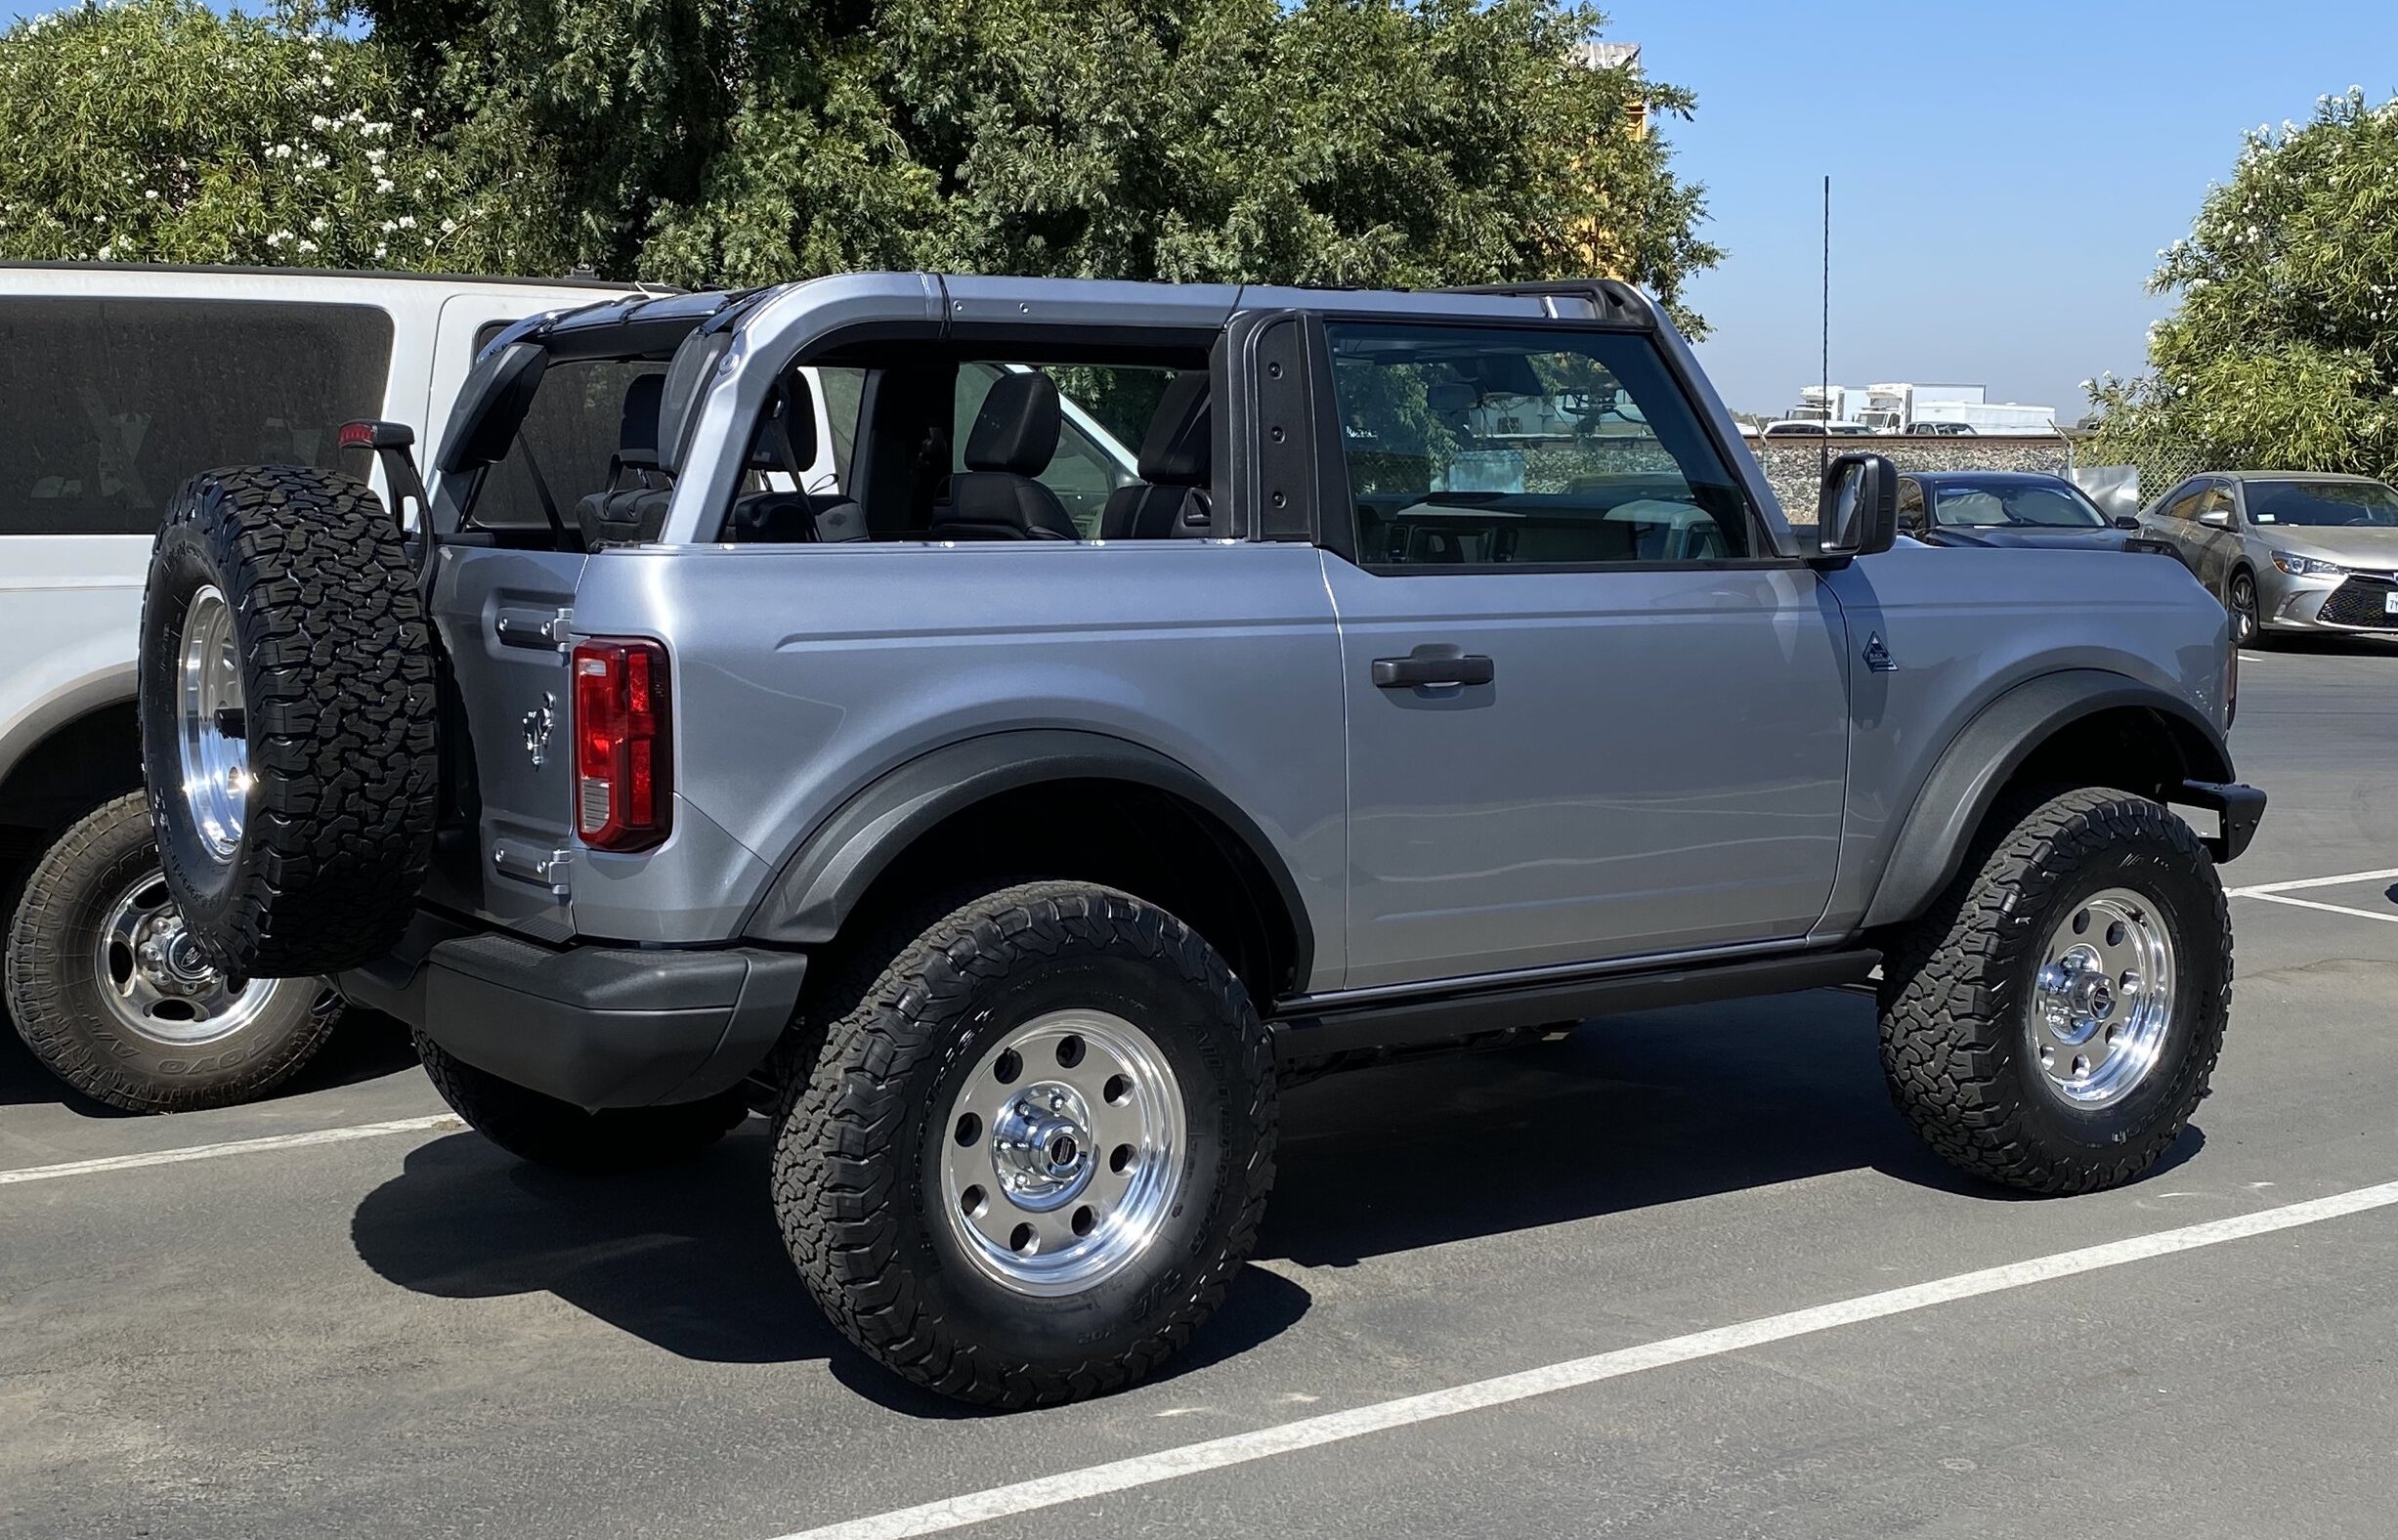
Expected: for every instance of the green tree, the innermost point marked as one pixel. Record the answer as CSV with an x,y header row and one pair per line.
x,y
159,131
1334,141
738,141
2283,348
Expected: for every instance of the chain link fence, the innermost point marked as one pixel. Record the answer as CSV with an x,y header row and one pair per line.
x,y
2157,463
2122,474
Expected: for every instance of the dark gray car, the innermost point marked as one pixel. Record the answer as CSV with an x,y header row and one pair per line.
x,y
2011,508
2287,550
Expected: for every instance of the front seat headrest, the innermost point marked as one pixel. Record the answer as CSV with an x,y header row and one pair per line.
x,y
1016,429
786,438
637,428
1174,452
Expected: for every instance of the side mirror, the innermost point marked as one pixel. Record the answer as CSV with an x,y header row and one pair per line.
x,y
2125,521
1858,514
2217,518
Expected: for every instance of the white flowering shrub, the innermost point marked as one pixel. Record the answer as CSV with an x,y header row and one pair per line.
x,y
161,131
2284,351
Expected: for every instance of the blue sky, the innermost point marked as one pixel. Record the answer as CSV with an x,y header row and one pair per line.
x,y
2004,173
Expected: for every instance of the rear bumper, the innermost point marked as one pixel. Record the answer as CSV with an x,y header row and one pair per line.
x,y
596,1026
2240,807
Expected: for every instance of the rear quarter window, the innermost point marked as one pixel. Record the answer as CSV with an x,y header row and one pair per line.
x,y
106,406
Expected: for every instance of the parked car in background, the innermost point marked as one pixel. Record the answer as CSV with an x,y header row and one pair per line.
x,y
1952,430
117,382
1810,428
2015,508
2287,550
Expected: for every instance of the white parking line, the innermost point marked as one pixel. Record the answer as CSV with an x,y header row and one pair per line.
x,y
2328,908
1308,1433
2277,893
2267,889
277,1141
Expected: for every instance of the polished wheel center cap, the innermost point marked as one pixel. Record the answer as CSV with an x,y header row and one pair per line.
x,y
183,959
1041,1146
164,951
2075,995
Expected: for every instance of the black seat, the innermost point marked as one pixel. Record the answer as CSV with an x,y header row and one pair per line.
x,y
634,510
1171,498
994,497
786,442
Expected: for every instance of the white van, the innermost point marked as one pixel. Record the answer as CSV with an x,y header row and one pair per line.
x,y
117,382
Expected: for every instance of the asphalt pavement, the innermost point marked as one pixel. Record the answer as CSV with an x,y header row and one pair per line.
x,y
1574,1289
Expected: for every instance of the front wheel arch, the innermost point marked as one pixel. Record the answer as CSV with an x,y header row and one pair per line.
x,y
2027,737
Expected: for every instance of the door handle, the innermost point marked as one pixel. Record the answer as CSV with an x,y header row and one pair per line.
x,y
1409,673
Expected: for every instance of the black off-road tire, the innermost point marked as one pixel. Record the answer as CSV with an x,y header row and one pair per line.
x,y
551,1133
857,1155
71,1014
1956,996
337,675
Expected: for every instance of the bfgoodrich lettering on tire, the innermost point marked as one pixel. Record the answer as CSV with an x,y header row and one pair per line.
x,y
105,988
287,719
1035,1148
2052,1022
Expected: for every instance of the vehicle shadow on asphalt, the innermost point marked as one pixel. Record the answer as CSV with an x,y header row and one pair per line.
x,y
1627,1113
688,1260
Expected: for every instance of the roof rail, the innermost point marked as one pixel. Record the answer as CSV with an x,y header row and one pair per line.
x,y
1609,299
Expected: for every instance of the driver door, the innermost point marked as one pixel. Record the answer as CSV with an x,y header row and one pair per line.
x,y
1590,717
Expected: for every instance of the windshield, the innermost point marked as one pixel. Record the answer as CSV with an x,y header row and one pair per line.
x,y
2323,503
2040,505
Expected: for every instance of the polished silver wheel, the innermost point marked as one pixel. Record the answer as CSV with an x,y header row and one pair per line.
x,y
153,981
1061,1154
2103,999
212,730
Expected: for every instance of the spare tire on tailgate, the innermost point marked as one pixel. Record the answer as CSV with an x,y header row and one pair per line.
x,y
288,702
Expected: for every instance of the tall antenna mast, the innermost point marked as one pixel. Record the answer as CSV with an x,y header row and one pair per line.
x,y
1823,450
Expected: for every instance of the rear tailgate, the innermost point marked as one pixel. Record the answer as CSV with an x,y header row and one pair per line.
x,y
505,846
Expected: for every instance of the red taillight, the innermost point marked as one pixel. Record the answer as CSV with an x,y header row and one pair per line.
x,y
623,777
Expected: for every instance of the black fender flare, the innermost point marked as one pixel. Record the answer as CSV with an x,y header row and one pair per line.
x,y
822,882
1948,811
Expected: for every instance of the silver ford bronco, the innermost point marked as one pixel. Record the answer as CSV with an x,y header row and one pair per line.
x,y
1004,814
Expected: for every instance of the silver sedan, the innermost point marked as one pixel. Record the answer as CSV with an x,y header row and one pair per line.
x,y
2287,550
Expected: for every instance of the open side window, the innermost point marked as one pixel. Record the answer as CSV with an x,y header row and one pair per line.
x,y
986,441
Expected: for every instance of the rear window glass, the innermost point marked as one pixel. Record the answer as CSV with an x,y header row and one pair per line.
x,y
108,405
563,448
